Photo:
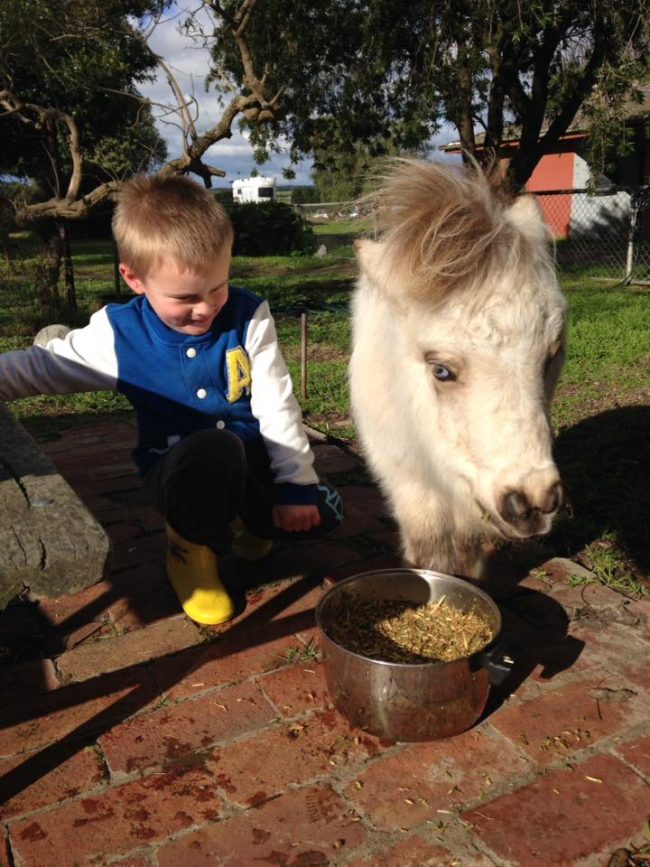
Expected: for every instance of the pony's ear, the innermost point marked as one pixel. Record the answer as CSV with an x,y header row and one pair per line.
x,y
527,216
371,258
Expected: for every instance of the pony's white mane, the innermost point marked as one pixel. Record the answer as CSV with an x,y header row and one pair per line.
x,y
443,229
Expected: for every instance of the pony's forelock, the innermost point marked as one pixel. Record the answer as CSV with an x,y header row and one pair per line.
x,y
443,229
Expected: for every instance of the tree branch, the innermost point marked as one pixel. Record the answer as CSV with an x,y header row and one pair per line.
x,y
38,117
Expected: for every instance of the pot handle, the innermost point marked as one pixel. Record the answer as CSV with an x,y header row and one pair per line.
x,y
500,658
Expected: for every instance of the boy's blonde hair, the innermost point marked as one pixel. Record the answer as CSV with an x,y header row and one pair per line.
x,y
172,217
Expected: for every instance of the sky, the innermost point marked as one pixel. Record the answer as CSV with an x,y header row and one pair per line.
x,y
189,64
235,155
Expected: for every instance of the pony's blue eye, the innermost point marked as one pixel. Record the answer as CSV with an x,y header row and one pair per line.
x,y
442,373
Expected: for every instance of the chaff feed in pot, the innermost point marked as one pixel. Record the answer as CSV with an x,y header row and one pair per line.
x,y
409,654
399,631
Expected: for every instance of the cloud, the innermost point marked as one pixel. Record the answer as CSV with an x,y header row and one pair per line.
x,y
190,64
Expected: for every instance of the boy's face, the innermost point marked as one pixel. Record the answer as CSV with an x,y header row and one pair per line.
x,y
186,301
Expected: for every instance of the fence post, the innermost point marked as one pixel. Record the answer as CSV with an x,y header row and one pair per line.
x,y
635,201
303,355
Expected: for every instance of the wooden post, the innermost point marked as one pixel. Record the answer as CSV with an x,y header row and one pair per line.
x,y
303,355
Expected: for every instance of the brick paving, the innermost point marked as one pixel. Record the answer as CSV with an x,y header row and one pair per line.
x,y
132,736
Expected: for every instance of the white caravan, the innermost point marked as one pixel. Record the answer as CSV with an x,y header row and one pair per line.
x,y
256,190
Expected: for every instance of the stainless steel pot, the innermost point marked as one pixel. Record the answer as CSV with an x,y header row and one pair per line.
x,y
404,701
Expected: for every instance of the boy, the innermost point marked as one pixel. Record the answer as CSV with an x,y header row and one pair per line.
x,y
220,436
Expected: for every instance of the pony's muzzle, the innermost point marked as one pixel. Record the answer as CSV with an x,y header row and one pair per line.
x,y
530,513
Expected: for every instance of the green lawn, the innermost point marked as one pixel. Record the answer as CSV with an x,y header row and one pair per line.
x,y
601,414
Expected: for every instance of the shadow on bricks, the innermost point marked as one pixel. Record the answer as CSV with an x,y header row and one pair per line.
x,y
123,693
536,628
605,464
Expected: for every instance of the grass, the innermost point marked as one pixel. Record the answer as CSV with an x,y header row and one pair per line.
x,y
601,415
309,652
341,227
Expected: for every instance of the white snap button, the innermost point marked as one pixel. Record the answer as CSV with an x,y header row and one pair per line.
x,y
201,393
191,352
220,425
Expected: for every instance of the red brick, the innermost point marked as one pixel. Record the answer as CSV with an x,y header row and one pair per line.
x,y
318,558
101,657
124,532
381,561
118,820
547,650
79,711
639,614
637,753
576,597
364,511
41,786
129,598
22,680
141,550
94,599
147,596
169,734
135,861
366,498
612,628
625,657
605,649
560,722
307,826
92,631
415,851
564,816
113,470
232,658
265,765
409,786
310,638
297,688
331,459
4,849
87,485
283,608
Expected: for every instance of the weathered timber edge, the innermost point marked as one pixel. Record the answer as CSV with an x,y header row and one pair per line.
x,y
50,544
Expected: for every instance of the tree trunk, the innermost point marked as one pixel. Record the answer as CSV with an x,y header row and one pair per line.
x,y
49,266
68,270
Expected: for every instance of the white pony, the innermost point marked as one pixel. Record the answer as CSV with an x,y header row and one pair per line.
x,y
458,342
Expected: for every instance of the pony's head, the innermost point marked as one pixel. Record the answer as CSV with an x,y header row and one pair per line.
x,y
477,325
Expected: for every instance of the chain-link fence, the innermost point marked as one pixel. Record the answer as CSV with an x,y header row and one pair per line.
x,y
321,212
605,232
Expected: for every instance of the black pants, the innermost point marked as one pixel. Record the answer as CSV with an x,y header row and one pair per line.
x,y
203,482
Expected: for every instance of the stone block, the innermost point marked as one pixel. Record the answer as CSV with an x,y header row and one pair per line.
x,y
49,542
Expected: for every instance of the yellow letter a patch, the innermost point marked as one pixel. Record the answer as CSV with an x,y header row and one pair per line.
x,y
239,373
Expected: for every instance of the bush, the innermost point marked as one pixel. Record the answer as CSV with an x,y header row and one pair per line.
x,y
270,229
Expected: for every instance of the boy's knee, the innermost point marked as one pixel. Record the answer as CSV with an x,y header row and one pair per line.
x,y
212,442
211,456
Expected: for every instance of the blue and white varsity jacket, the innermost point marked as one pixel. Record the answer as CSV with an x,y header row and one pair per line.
x,y
233,378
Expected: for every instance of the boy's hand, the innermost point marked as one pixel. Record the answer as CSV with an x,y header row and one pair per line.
x,y
296,519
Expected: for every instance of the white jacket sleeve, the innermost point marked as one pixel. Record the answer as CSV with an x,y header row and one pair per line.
x,y
82,361
274,405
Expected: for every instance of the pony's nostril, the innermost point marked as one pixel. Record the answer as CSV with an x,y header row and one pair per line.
x,y
552,500
515,506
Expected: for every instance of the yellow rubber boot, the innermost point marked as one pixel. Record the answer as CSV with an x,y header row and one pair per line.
x,y
193,571
246,545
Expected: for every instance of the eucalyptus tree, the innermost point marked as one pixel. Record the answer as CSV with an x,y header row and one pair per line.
x,y
383,76
72,119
